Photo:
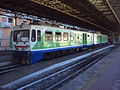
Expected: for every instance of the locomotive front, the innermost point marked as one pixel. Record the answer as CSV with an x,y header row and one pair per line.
x,y
21,44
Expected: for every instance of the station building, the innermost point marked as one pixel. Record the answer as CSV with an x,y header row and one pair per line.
x,y
6,25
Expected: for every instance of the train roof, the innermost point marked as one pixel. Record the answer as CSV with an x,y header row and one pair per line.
x,y
27,26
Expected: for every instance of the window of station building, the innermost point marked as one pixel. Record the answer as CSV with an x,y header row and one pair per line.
x,y
65,36
38,35
58,36
24,22
72,36
4,19
33,36
10,20
49,36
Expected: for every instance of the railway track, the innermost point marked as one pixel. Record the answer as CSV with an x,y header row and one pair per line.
x,y
59,78
76,73
9,68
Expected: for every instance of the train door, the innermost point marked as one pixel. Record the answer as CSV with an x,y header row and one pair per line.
x,y
92,38
72,38
77,39
95,38
88,39
39,44
81,38
33,39
58,38
36,39
84,40
98,39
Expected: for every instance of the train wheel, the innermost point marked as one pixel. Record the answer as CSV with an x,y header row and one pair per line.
x,y
77,49
15,60
23,62
28,61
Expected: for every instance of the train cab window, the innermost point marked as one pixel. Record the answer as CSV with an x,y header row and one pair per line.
x,y
65,36
58,36
33,36
21,36
49,36
38,35
72,36
88,35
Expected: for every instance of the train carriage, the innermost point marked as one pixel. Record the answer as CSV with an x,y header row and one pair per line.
x,y
32,43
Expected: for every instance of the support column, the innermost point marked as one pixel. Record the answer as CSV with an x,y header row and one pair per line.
x,y
15,19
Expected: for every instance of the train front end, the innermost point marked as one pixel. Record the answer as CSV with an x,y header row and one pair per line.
x,y
21,44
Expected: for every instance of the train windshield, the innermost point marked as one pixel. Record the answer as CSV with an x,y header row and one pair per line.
x,y
21,36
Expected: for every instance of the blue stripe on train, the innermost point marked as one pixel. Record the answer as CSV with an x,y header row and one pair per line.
x,y
38,55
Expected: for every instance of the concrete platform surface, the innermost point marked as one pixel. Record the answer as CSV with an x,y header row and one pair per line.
x,y
105,75
5,58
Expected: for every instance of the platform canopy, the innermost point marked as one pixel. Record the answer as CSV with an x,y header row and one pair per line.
x,y
101,15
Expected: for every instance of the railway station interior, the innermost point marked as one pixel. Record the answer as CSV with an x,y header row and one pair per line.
x,y
59,44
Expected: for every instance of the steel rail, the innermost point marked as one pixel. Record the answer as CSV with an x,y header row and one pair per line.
x,y
9,68
58,84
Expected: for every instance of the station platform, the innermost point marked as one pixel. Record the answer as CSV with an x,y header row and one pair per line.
x,y
105,75
5,60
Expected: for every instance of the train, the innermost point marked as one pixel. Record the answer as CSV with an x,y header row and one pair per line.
x,y
33,43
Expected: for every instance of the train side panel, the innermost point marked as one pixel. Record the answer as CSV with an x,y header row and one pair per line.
x,y
47,42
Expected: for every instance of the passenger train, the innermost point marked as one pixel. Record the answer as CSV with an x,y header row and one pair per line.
x,y
32,43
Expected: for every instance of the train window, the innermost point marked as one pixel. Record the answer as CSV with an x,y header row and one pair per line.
x,y
88,35
58,36
38,35
10,20
33,36
21,35
65,36
72,36
49,36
